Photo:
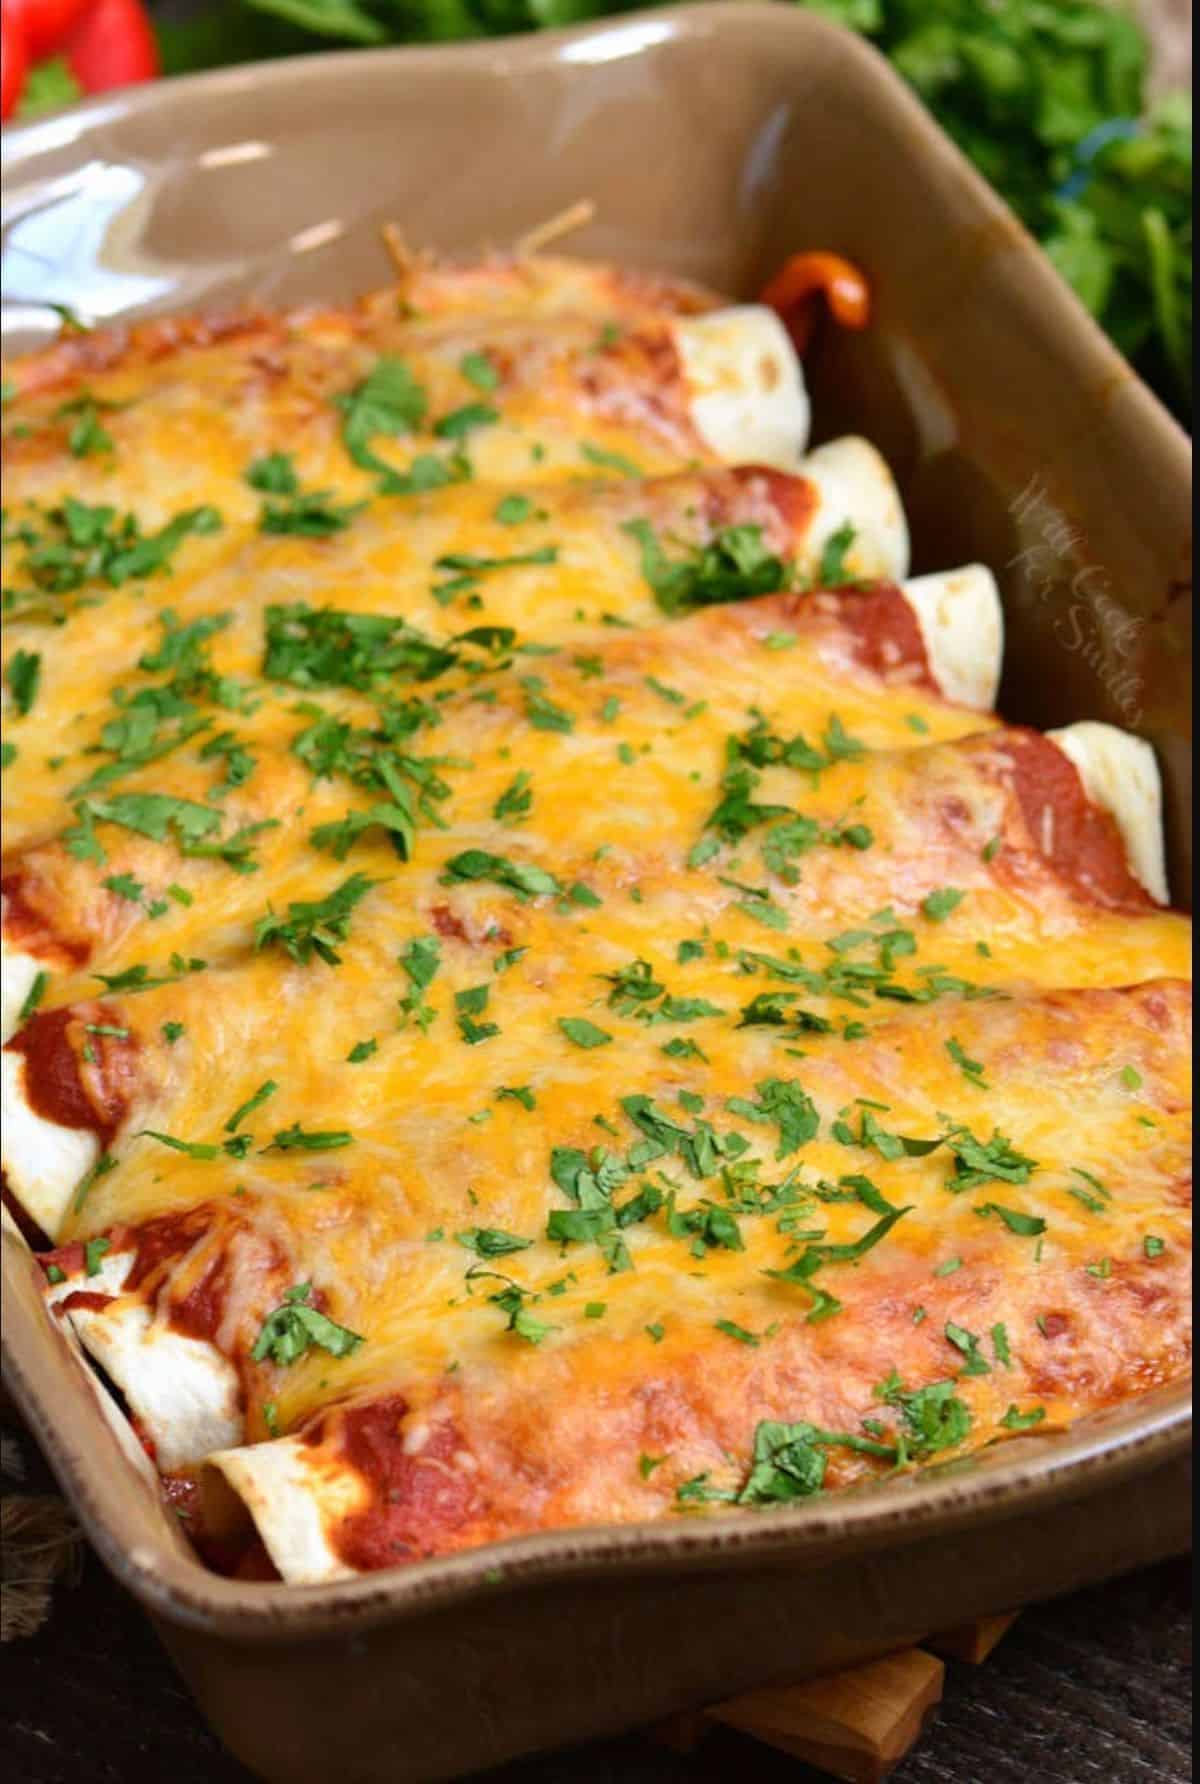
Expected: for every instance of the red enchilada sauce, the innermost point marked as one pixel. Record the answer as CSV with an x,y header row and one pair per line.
x,y
418,1499
26,928
61,1085
1080,841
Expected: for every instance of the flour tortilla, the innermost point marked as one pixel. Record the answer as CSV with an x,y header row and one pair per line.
x,y
184,1393
854,484
292,1491
962,623
43,1162
1120,772
747,396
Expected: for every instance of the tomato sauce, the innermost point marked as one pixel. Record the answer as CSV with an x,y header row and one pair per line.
x,y
885,632
418,1499
27,928
51,1043
1079,841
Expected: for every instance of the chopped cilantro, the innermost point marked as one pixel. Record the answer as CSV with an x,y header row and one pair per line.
x,y
1015,1420
313,927
516,801
468,1005
938,905
980,1161
274,473
463,421
582,1032
248,1107
420,960
103,1165
934,1418
971,1069
510,511
23,676
542,713
968,1344
1029,1226
33,996
520,876
191,1148
295,1326
512,1300
388,402
478,370
517,1093
832,572
735,566
610,461
491,1241
299,1139
93,1254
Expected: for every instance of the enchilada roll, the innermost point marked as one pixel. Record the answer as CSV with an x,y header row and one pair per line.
x,y
374,407
970,1215
861,877
554,564
181,869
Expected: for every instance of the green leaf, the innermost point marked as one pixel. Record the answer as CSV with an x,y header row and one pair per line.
x,y
832,572
295,1326
734,566
37,992
248,1107
312,927
461,422
478,370
491,1241
327,18
1015,1420
582,1032
1029,1226
521,876
389,401
939,905
611,461
23,675
300,1139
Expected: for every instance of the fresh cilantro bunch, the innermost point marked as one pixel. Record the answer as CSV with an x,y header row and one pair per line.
x,y
1047,98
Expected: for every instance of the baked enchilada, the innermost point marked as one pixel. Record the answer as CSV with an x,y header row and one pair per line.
x,y
538,988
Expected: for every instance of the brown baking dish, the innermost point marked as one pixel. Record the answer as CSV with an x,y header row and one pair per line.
x,y
714,140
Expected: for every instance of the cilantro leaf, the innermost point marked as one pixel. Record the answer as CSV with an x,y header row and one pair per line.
x,y
312,927
295,1326
734,566
387,402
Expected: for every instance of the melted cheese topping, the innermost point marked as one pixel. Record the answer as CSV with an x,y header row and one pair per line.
x,y
735,866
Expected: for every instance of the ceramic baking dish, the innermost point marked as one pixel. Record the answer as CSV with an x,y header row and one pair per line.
x,y
713,140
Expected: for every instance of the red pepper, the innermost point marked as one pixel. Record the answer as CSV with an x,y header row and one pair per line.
x,y
800,281
43,24
113,45
14,60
